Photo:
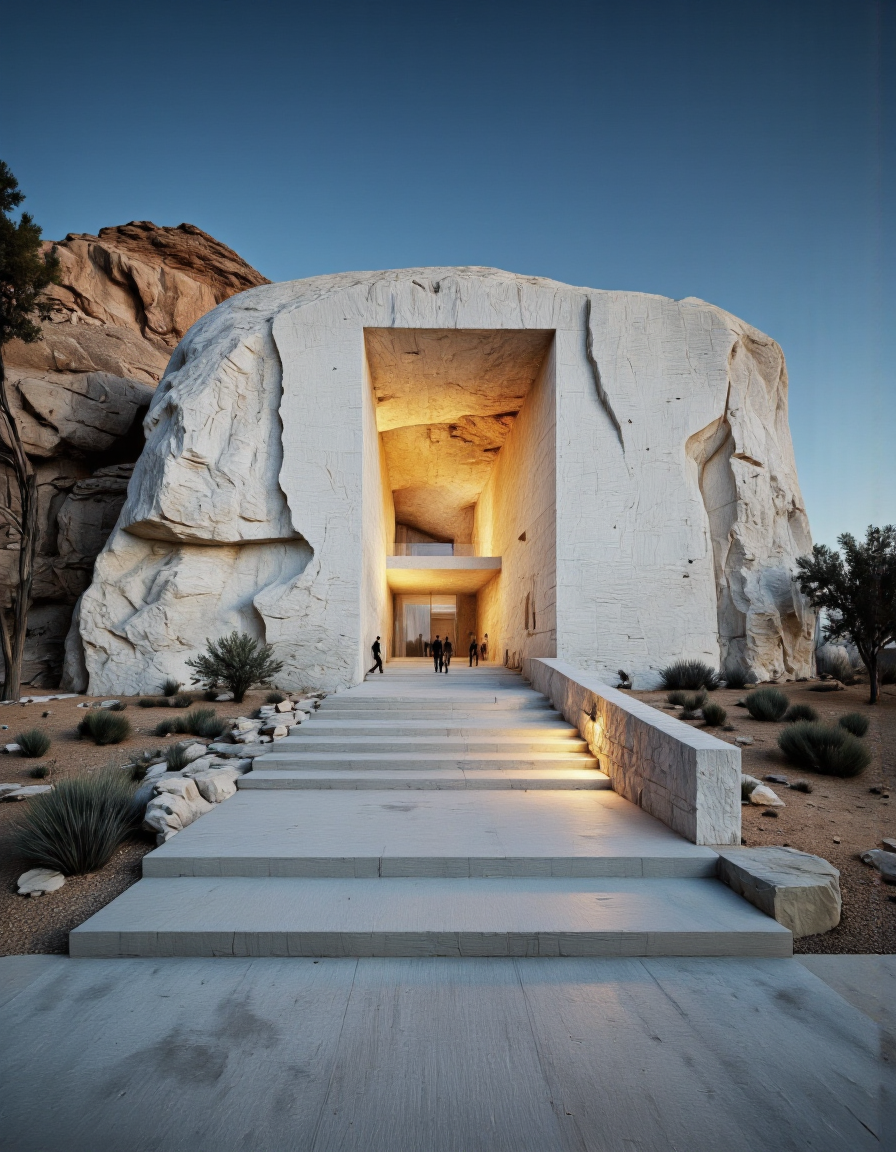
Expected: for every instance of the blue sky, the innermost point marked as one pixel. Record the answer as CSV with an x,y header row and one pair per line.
x,y
742,153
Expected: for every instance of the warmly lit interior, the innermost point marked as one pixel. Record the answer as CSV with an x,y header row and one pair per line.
x,y
447,402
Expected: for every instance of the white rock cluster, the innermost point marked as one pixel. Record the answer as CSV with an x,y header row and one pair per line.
x,y
175,799
23,791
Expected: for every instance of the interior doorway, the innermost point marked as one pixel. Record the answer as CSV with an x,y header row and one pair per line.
x,y
420,617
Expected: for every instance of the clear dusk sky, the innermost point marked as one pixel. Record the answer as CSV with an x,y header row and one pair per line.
x,y
739,152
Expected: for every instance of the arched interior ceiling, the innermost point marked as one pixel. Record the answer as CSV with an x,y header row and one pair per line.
x,y
446,401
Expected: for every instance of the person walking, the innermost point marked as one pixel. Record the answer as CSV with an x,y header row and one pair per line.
x,y
447,653
436,648
483,647
474,650
377,656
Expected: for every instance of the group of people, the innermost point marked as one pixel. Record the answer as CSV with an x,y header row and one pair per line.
x,y
440,650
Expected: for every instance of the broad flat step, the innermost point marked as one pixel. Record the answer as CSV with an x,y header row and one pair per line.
x,y
386,743
250,917
436,778
458,833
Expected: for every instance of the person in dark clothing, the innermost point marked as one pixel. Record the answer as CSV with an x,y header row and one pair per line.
x,y
474,651
483,648
377,656
447,653
436,648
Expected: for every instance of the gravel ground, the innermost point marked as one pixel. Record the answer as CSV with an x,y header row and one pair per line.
x,y
839,820
42,924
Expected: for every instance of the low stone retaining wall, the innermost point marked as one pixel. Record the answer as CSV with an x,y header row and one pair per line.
x,y
681,775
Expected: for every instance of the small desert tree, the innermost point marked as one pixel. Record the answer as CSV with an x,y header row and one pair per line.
x,y
236,661
25,271
857,592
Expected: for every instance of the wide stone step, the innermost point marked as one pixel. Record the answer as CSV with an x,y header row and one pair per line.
x,y
454,833
473,702
446,744
436,778
411,762
426,729
287,917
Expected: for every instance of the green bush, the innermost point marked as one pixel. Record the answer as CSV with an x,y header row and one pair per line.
x,y
830,751
766,704
116,706
39,772
176,758
148,702
181,700
237,661
734,678
690,675
104,727
274,698
170,687
76,827
799,712
34,743
714,715
855,723
801,786
204,722
690,701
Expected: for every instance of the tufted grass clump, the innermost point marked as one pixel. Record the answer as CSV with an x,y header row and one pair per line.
x,y
855,723
274,698
148,702
746,787
211,694
767,704
799,712
39,772
735,678
170,687
801,786
689,675
204,722
714,715
116,706
176,758
830,751
103,726
76,827
690,701
34,743
181,700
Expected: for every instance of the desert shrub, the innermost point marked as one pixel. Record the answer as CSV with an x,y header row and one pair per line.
x,y
211,694
104,727
39,772
799,712
34,743
176,758
181,700
801,786
855,723
735,678
204,722
690,675
274,698
746,787
833,661
176,725
237,661
714,715
148,702
676,699
170,686
76,827
766,704
116,706
831,751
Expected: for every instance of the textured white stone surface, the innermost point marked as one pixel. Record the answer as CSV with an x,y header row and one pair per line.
x,y
677,510
683,776
801,891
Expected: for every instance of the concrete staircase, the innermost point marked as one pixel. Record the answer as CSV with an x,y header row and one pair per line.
x,y
427,815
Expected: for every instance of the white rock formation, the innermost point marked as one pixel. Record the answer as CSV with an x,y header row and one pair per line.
x,y
646,477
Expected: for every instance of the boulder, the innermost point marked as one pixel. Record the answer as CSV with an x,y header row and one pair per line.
x,y
11,748
884,862
39,881
5,789
283,706
800,891
169,813
217,784
176,785
28,791
764,797
194,752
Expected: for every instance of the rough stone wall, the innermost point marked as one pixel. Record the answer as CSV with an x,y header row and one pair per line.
x,y
257,440
126,298
518,608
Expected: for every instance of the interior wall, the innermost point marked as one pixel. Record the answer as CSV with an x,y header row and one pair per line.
x,y
378,512
519,500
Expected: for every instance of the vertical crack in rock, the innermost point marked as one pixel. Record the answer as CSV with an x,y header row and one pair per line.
x,y
598,383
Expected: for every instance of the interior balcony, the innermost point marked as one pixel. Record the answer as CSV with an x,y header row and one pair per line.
x,y
439,567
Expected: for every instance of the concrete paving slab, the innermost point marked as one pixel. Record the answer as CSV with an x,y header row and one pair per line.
x,y
487,761
454,777
867,982
403,917
512,832
441,1055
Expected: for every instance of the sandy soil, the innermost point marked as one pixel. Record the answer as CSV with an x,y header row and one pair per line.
x,y
42,924
839,820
